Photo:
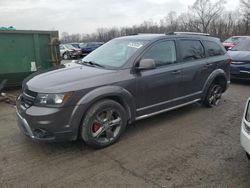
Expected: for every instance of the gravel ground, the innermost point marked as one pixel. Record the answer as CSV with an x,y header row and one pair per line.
x,y
189,147
65,61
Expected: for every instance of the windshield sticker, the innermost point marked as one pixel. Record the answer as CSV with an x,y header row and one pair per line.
x,y
135,45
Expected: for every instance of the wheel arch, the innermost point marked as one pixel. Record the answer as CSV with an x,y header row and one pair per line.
x,y
116,93
218,76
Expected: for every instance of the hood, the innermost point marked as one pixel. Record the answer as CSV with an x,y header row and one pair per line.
x,y
243,56
69,77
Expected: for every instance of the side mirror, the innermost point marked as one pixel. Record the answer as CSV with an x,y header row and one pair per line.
x,y
146,64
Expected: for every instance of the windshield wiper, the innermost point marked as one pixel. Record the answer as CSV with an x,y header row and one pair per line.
x,y
92,63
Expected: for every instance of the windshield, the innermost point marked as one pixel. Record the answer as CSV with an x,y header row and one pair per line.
x,y
115,53
75,45
233,39
244,45
82,45
69,46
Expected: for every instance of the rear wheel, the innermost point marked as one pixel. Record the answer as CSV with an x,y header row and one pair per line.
x,y
214,95
103,124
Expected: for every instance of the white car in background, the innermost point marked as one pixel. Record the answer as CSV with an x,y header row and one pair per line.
x,y
245,130
68,51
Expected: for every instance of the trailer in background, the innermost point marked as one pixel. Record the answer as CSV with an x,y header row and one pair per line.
x,y
23,52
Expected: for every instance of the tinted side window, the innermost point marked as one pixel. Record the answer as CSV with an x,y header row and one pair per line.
x,y
163,53
191,50
213,49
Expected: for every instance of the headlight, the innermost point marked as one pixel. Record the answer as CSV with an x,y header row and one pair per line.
x,y
248,112
48,99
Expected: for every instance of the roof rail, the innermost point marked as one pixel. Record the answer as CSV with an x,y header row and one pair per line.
x,y
146,34
187,33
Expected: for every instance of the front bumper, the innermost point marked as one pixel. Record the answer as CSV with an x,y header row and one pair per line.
x,y
240,71
24,126
46,124
245,136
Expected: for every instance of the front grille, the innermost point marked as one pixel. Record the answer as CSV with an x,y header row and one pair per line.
x,y
240,62
28,98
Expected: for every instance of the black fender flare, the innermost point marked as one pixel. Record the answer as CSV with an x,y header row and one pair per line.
x,y
215,74
104,92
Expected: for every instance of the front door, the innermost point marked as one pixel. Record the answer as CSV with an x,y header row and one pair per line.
x,y
157,88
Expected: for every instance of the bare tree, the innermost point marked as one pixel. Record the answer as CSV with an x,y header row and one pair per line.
x,y
245,6
205,12
203,16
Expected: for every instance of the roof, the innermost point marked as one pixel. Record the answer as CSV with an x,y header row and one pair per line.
x,y
151,37
241,36
143,36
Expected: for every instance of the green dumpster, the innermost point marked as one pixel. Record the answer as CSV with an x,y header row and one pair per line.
x,y
24,52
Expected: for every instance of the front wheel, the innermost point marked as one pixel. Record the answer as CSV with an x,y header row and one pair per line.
x,y
103,124
65,56
214,95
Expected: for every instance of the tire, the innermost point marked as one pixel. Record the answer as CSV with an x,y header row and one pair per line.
x,y
248,156
103,124
65,56
213,95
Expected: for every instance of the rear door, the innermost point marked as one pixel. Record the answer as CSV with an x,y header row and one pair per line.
x,y
195,68
157,88
216,54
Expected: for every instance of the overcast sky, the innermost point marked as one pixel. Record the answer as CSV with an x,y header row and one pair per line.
x,y
85,16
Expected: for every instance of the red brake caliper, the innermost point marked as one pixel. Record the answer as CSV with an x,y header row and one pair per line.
x,y
95,127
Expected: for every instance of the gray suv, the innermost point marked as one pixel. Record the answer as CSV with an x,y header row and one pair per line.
x,y
126,79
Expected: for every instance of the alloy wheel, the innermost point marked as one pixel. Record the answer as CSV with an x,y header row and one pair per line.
x,y
106,126
215,95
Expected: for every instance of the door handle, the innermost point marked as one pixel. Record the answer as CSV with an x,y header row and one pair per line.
x,y
208,65
176,72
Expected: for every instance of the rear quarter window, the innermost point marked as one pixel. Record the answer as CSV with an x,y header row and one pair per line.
x,y
191,49
213,49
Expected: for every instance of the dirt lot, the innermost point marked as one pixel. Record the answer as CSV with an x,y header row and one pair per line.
x,y
189,147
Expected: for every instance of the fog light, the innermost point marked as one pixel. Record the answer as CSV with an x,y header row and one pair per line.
x,y
40,133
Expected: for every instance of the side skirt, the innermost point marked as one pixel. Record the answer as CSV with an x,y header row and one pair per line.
x,y
166,110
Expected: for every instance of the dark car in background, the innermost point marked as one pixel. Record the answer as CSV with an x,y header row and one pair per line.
x,y
68,51
89,47
127,79
232,41
240,55
75,44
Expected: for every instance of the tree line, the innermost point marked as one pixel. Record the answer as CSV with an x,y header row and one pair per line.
x,y
203,16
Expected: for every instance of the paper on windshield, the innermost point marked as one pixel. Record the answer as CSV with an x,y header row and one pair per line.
x,y
135,45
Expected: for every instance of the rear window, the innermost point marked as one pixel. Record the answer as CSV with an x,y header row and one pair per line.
x,y
213,49
191,50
